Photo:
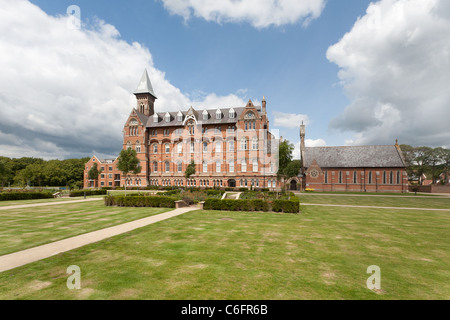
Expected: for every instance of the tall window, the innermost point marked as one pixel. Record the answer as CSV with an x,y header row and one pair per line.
x,y
255,143
205,146
340,176
155,166
179,166
205,167
370,177
218,146
128,146
167,166
355,177
384,177
180,147
231,146
326,176
155,148
391,177
255,165
244,166
244,144
398,177
138,147
192,147
167,148
218,166
231,167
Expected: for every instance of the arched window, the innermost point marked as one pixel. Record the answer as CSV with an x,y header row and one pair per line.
x,y
355,177
138,147
231,145
391,177
398,177
340,176
167,147
370,177
155,148
384,177
167,166
128,145
255,165
218,166
205,146
244,166
255,143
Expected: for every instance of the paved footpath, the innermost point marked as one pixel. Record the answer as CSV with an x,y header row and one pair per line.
x,y
17,259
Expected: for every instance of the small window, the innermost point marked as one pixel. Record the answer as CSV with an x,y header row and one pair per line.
x,y
244,144
179,166
255,143
155,166
167,148
167,166
231,146
218,166
218,146
231,167
155,148
205,167
205,146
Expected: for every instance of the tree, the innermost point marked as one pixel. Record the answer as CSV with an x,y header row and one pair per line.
x,y
190,170
443,156
94,172
128,162
293,168
284,157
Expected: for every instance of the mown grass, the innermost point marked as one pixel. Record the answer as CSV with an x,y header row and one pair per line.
x,y
29,227
322,253
383,201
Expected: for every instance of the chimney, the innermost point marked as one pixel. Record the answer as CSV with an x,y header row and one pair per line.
x,y
264,105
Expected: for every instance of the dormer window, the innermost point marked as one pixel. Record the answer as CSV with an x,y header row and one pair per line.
x,y
218,114
232,113
205,115
167,117
155,118
180,116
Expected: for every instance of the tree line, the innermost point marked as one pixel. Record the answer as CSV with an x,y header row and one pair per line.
x,y
434,163
36,172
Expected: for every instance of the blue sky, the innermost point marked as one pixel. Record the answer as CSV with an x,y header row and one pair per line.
x,y
225,59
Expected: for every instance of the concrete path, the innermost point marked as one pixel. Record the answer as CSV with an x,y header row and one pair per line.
x,y
370,207
43,204
17,259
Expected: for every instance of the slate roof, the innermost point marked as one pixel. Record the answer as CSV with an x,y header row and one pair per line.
x,y
145,85
355,157
199,116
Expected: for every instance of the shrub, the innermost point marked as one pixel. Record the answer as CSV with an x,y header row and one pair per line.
x,y
140,201
5,196
80,193
286,206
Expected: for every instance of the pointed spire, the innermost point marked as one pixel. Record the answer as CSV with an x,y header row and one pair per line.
x,y
145,86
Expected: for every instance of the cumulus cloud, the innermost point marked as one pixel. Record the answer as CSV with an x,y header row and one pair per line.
x,y
289,120
66,92
395,68
258,13
308,143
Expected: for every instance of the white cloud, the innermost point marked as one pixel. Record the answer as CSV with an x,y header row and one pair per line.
x,y
308,144
289,120
395,68
66,91
259,13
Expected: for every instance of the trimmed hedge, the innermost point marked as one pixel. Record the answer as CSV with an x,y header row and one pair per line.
x,y
6,196
80,193
286,206
140,201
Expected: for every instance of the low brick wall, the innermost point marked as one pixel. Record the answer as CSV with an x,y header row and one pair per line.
x,y
432,189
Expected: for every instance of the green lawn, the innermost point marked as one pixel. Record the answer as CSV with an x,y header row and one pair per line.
x,y
322,253
29,227
383,201
36,201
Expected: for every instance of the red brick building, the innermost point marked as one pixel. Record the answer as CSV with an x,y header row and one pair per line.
x,y
230,147
356,168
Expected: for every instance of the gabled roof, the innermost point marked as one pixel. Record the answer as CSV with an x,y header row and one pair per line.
x,y
145,86
354,157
